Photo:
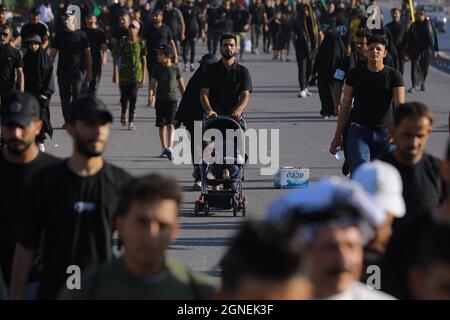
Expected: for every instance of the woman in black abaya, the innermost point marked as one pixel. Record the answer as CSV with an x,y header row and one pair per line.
x,y
38,71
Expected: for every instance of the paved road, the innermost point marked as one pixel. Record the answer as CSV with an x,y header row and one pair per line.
x,y
304,141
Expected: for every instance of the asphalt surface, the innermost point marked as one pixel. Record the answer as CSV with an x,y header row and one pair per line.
x,y
304,139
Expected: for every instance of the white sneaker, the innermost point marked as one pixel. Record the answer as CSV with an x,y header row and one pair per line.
x,y
302,94
192,68
197,185
308,93
186,68
42,147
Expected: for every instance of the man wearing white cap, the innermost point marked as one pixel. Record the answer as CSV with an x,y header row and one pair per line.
x,y
384,183
336,217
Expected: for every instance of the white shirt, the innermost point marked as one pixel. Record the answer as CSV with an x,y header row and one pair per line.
x,y
360,291
46,13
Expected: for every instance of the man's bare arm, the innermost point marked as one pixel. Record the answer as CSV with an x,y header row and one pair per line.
x,y
204,99
244,97
20,79
399,96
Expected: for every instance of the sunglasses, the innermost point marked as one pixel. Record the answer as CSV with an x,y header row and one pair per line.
x,y
4,34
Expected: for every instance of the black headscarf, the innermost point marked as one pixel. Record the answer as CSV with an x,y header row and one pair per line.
x,y
37,68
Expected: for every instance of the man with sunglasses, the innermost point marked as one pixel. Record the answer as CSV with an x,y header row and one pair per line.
x,y
15,35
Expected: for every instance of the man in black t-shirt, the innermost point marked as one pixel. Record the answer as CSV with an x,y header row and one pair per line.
x,y
99,50
423,192
373,88
19,162
240,17
174,19
15,36
194,28
227,85
73,206
11,71
35,26
257,19
155,34
215,16
74,63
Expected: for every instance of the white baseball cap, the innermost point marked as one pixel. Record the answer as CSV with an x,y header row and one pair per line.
x,y
384,183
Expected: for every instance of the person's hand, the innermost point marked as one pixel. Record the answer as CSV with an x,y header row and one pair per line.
x,y
89,76
203,36
151,101
389,139
237,114
336,110
211,114
182,37
246,28
43,97
435,55
266,28
335,143
115,78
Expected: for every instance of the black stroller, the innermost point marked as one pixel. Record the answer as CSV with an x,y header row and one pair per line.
x,y
231,196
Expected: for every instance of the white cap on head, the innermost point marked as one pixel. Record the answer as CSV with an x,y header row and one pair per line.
x,y
384,183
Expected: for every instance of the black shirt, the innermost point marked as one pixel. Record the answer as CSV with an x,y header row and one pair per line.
x,y
257,13
16,179
226,86
240,18
75,215
398,33
120,33
96,38
10,60
155,37
423,192
373,96
215,17
172,20
71,46
191,15
30,29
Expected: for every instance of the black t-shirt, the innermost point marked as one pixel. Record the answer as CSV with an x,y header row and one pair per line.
x,y
226,86
75,215
155,37
71,46
16,179
120,33
257,13
240,18
215,17
96,38
172,20
10,60
191,15
327,20
423,192
30,29
373,95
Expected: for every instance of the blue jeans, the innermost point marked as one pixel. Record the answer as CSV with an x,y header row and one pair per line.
x,y
364,145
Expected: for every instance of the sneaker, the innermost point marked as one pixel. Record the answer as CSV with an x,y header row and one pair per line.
x,y
308,93
210,176
131,126
169,153
191,68
41,147
163,153
422,87
345,168
302,94
186,67
197,185
412,90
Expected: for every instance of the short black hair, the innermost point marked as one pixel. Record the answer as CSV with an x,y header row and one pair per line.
x,y
378,37
227,36
394,9
263,251
434,244
151,188
415,110
363,33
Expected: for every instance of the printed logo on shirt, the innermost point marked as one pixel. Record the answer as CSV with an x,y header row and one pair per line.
x,y
81,206
339,74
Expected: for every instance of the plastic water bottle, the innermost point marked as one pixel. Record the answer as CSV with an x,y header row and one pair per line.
x,y
339,155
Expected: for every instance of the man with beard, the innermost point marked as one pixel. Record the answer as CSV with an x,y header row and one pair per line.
x,y
423,191
19,162
398,32
72,205
336,218
227,85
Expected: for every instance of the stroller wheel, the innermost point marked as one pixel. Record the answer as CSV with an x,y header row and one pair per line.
x,y
244,206
196,209
206,208
235,208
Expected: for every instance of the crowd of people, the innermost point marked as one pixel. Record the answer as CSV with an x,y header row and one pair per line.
x,y
314,243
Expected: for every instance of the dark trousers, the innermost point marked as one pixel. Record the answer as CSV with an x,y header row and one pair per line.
x,y
419,68
92,86
304,64
128,98
325,87
266,40
212,40
401,64
256,35
189,45
70,87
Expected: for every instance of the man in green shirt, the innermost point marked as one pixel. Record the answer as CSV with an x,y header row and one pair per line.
x,y
129,71
147,223
167,76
